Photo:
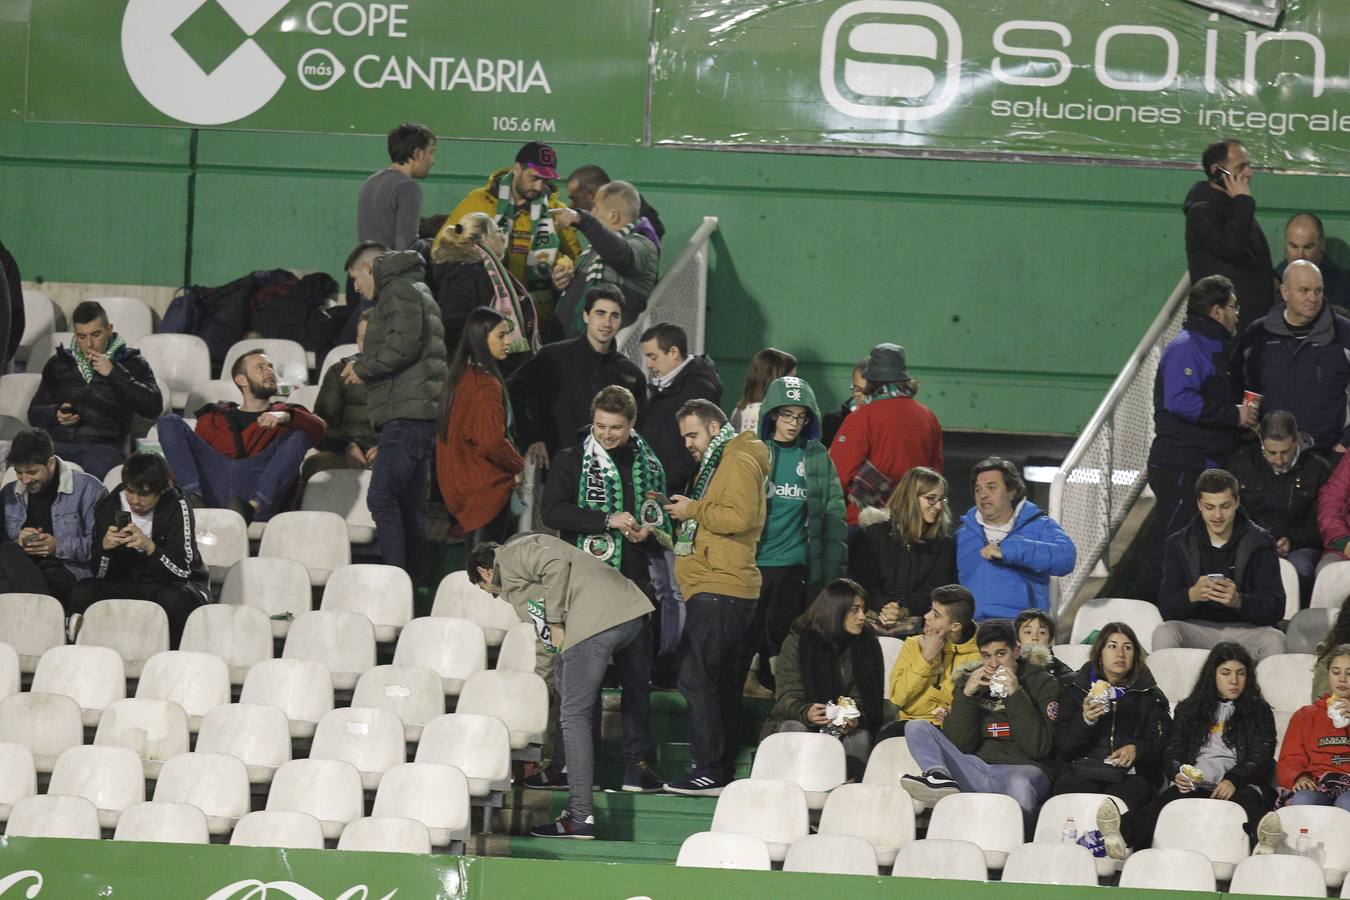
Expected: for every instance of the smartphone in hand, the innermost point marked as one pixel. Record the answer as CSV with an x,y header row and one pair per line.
x,y
121,519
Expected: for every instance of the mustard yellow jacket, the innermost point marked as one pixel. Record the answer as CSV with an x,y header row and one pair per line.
x,y
918,687
730,520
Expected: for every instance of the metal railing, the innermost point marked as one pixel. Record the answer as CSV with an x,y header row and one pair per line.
x,y
681,297
1106,470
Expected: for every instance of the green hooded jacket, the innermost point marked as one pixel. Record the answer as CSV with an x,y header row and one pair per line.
x,y
826,532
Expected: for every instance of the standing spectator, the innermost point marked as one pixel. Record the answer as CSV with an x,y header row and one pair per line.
x,y
1337,634
1298,358
1221,577
721,523
242,456
888,433
832,421
1314,768
90,392
145,547
768,364
1006,547
403,365
1222,234
900,560
468,272
1304,238
49,520
921,679
389,205
351,440
582,185
1279,478
477,464
830,653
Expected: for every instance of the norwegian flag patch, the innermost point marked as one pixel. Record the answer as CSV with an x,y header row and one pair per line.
x,y
998,729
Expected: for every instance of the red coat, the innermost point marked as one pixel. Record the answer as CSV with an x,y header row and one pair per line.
x,y
476,463
1312,746
214,427
1333,505
894,435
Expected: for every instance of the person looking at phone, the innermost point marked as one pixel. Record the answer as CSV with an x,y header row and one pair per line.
x,y
1221,576
49,520
1222,234
145,547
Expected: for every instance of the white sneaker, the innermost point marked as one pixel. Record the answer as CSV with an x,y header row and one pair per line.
x,y
1270,835
1108,823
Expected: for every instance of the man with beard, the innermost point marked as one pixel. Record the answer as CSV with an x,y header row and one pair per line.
x,y
243,456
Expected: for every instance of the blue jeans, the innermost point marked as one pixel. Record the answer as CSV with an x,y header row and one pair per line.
x,y
932,749
711,678
96,459
1304,561
398,490
669,601
1317,798
199,469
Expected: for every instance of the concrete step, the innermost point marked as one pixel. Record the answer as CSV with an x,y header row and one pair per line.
x,y
661,819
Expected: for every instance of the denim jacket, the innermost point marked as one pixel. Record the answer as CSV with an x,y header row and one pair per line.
x,y
72,515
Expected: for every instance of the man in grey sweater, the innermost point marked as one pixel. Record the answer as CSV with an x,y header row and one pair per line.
x,y
390,203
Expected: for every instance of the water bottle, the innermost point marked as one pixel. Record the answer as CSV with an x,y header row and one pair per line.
x,y
1070,833
1301,848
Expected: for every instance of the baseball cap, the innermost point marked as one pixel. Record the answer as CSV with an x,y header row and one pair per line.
x,y
540,158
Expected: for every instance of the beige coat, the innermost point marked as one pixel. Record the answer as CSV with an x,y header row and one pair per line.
x,y
730,520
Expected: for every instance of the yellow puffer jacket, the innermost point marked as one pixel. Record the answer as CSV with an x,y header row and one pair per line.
x,y
730,519
919,688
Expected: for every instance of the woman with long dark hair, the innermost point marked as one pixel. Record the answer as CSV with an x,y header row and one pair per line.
x,y
831,654
767,366
1222,746
477,465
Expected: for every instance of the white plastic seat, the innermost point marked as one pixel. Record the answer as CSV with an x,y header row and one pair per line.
x,y
240,635
1308,628
18,776
343,492
112,479
305,395
831,854
47,724
519,699
343,642
301,688
517,653
1332,585
1176,670
1329,834
814,761
1082,808
434,794
39,314
386,834
774,811
1039,863
993,822
163,822
130,317
155,730
1286,680
1170,869
453,647
92,676
51,816
198,682
341,351
479,746
32,624
369,739
17,391
890,652
723,850
108,777
136,629
44,348
10,679
947,858
288,830
1212,827
316,540
215,783
287,357
1072,655
881,813
413,693
1141,616
889,760
182,360
222,540
459,598
258,736
1278,875
383,594
328,789
203,393
279,587
1289,580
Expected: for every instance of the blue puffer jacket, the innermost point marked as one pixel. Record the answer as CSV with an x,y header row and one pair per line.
x,y
1035,549
72,516
1307,377
1195,415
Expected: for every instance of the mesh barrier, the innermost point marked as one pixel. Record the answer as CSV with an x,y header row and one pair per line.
x,y
681,297
1106,470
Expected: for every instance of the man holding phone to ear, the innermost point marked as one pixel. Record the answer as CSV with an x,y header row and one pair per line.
x,y
1222,234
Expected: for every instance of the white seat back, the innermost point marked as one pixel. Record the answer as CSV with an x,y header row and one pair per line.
x,y
47,724
301,688
1141,616
1081,807
881,813
890,652
32,624
386,834
518,649
130,317
316,540
17,391
136,629
941,858
831,854
459,598
1307,629
344,642
520,699
222,540
154,730
198,682
814,761
1328,834
44,348
289,830
413,693
1171,869
1286,680
993,822
453,647
1212,827
10,678
162,822
287,357
341,351
774,811
279,587
477,745
1176,670
1278,875
202,393
1332,585
723,850
1289,580
111,778
328,789
240,635
257,735
182,360
18,776
369,739
383,594
1039,863
92,676
434,794
215,783
1072,655
343,492
48,815
889,760
39,318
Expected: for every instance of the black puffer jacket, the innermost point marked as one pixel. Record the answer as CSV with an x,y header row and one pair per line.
x,y
1250,733
1140,717
106,405
907,574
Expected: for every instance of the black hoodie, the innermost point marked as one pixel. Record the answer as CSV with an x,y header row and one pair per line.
x,y
1224,238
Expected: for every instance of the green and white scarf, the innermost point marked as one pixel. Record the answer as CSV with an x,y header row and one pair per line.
x,y
684,543
594,267
544,241
886,392
601,488
82,361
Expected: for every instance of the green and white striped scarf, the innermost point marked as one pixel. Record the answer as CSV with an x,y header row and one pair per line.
x,y
684,543
544,240
601,487
887,392
82,361
593,266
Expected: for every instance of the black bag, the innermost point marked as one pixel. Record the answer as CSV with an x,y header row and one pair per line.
x,y
1098,770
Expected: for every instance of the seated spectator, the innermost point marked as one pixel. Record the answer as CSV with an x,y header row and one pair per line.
x,y
145,547
888,433
767,365
351,442
1280,477
242,456
618,255
1115,723
582,185
1333,512
1226,730
998,737
1035,628
1314,764
922,677
91,390
1304,238
1221,577
1006,547
828,654
477,465
49,520
467,272
1337,634
831,422
900,561
1298,358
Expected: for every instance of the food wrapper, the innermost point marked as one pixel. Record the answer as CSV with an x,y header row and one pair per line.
x,y
1339,713
1100,692
564,263
841,711
998,685
1094,842
1192,774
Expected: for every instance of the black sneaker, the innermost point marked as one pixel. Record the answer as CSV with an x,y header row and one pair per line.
x,y
642,780
546,780
930,787
244,509
697,783
567,827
